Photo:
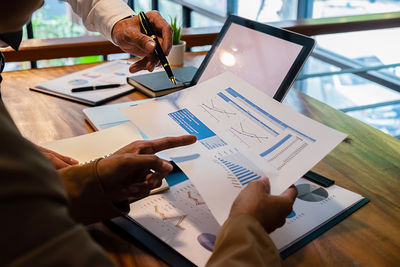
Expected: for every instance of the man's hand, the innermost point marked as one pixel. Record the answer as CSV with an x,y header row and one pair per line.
x,y
58,161
134,170
270,211
128,35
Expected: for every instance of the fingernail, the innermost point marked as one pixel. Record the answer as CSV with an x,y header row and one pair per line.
x,y
150,45
167,166
74,161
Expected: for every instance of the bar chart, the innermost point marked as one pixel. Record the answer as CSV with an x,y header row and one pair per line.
x,y
240,167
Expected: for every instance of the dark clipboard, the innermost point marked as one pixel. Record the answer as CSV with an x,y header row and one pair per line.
x,y
131,230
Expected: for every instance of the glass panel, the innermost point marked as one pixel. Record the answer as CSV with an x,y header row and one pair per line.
x,y
386,119
344,90
268,10
170,10
216,6
199,20
380,46
338,8
55,19
142,5
367,48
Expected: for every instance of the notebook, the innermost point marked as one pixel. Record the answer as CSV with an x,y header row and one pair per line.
x,y
157,84
86,148
107,73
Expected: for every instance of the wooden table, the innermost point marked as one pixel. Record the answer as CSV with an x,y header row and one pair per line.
x,y
368,163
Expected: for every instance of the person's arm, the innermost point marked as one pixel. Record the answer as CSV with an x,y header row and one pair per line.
x,y
114,19
101,189
101,15
243,239
36,229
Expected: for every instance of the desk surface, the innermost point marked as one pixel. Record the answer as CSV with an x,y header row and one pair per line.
x,y
368,163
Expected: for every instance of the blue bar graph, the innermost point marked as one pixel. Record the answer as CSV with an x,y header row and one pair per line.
x,y
235,164
269,150
194,126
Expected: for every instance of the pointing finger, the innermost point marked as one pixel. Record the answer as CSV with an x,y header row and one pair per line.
x,y
157,145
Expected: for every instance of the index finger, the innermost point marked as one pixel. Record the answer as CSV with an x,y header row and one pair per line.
x,y
157,145
160,25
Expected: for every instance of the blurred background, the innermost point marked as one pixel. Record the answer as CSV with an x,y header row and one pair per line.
x,y
356,72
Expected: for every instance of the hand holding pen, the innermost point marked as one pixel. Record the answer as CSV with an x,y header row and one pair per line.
x,y
130,37
148,29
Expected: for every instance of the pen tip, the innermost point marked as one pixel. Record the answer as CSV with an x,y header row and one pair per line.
x,y
173,80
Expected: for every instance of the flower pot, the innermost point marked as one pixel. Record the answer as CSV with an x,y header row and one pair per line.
x,y
177,53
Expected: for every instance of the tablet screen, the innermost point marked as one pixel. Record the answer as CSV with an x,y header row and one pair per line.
x,y
268,58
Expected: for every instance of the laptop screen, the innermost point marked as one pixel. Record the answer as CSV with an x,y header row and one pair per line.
x,y
268,58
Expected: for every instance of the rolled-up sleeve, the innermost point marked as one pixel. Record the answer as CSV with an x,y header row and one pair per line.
x,y
101,15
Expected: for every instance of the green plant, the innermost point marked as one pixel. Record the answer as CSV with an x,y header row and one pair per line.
x,y
176,38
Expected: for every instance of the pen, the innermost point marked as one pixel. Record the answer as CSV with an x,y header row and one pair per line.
x,y
318,179
148,29
95,87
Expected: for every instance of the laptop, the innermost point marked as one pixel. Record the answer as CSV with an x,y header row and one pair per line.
x,y
267,57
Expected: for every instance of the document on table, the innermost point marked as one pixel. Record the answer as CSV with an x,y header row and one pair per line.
x,y
242,135
181,218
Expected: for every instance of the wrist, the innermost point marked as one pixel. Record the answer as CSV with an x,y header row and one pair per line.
x,y
113,34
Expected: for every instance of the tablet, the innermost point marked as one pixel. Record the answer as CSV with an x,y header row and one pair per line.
x,y
267,57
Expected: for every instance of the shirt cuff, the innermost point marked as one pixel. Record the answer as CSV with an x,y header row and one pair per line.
x,y
107,13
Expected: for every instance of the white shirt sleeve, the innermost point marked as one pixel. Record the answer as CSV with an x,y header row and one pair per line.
x,y
101,15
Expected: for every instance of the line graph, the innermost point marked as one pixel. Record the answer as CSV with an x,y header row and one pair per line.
x,y
196,200
243,132
164,217
212,108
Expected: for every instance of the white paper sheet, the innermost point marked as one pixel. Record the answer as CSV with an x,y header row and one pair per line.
x,y
181,219
242,135
95,145
88,147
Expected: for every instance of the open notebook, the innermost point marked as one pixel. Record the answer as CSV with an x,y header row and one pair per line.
x,y
88,147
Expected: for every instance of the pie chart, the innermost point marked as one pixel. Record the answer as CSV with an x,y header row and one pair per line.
x,y
78,82
311,193
207,241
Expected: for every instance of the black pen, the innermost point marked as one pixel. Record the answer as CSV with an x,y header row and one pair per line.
x,y
95,87
318,179
148,29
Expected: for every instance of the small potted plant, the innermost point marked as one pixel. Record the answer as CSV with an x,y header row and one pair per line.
x,y
176,55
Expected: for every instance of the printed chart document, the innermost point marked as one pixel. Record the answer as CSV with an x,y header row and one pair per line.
x,y
242,135
181,218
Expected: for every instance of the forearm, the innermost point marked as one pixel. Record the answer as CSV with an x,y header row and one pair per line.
x,y
242,241
36,227
100,15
